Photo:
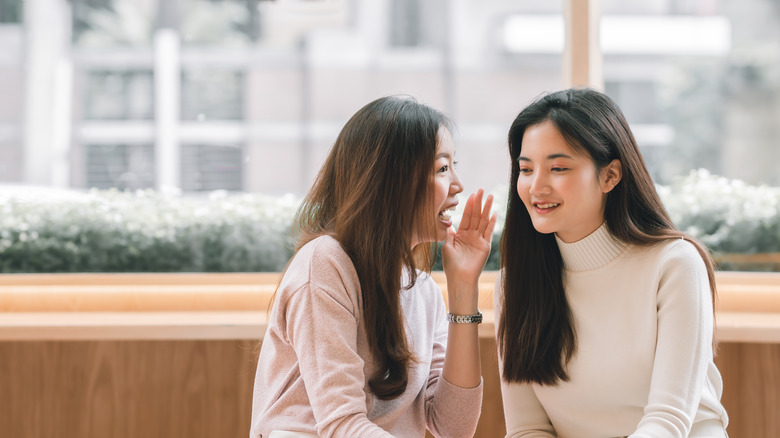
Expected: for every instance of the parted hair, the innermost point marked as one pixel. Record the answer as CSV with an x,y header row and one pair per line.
x,y
370,194
536,334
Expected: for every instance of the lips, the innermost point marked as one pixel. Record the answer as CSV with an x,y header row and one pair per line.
x,y
446,214
545,207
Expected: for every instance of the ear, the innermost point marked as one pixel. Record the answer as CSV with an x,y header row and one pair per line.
x,y
611,175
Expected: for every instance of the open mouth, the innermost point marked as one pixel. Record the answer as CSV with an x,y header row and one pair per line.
x,y
446,215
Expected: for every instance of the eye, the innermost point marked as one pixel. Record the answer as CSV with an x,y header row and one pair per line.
x,y
444,168
559,169
525,170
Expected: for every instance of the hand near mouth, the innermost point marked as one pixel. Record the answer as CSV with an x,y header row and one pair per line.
x,y
465,252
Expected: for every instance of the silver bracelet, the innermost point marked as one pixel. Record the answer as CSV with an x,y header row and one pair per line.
x,y
465,319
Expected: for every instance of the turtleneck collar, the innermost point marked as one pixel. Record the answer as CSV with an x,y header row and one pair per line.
x,y
592,252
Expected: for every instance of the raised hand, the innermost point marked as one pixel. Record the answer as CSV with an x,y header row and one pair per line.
x,y
465,252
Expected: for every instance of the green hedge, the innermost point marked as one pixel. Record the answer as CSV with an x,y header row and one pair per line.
x,y
112,231
146,231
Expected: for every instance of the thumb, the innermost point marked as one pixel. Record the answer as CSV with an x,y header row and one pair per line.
x,y
450,240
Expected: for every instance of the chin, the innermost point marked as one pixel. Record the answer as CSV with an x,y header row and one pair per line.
x,y
541,228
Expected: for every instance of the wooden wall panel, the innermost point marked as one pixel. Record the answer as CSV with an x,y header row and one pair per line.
x,y
751,388
491,421
200,389
126,389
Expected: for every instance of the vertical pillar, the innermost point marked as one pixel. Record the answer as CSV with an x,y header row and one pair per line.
x,y
166,107
582,55
61,138
47,92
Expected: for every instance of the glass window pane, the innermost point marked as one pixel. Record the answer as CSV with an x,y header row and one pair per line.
x,y
223,23
11,11
212,95
120,166
416,23
114,23
209,167
119,95
700,83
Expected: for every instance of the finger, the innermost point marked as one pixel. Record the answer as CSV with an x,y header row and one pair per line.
x,y
465,220
484,218
449,241
488,234
476,208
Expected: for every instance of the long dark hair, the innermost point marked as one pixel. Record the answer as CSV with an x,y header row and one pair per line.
x,y
539,339
378,171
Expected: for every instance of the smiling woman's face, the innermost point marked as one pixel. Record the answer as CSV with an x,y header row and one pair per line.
x,y
559,186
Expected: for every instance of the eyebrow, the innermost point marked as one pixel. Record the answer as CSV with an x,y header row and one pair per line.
x,y
443,155
549,157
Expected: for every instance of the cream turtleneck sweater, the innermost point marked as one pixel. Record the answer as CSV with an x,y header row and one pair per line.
x,y
644,364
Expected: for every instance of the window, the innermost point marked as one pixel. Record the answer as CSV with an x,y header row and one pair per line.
x,y
209,167
121,166
119,95
701,90
11,11
113,23
415,23
221,23
212,95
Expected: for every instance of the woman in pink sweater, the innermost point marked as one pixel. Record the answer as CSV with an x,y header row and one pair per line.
x,y
359,342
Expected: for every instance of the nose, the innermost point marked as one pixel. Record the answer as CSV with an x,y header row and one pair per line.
x,y
539,184
456,186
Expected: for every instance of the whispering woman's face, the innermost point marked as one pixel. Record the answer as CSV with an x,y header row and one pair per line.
x,y
445,187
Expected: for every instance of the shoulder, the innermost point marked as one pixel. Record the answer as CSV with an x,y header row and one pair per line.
x,y
679,254
324,264
322,255
671,253
674,264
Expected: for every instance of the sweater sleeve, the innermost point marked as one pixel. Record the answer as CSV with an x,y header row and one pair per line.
x,y
524,415
683,346
322,328
451,411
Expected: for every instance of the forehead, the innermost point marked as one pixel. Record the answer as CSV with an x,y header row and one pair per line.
x,y
444,142
545,139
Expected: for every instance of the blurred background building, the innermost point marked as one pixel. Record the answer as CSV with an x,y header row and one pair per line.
x,y
248,95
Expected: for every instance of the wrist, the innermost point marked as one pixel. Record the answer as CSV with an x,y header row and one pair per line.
x,y
475,318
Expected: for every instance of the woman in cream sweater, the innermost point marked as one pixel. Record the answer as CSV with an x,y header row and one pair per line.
x,y
605,324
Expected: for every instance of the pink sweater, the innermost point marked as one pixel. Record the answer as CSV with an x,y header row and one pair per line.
x,y
314,365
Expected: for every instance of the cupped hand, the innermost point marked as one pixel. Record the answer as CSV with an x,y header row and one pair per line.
x,y
466,250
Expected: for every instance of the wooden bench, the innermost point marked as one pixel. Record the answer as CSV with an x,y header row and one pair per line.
x,y
235,306
129,355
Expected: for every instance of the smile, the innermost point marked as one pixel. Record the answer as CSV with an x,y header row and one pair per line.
x,y
546,206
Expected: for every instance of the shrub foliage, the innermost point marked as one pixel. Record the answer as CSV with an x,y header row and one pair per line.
x,y
147,231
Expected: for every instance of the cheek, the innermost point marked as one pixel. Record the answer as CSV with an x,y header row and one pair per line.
x,y
522,190
442,189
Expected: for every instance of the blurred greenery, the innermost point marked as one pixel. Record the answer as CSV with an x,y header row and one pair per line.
x,y
148,231
727,215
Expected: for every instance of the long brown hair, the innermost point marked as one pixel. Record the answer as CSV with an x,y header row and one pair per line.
x,y
370,194
539,339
